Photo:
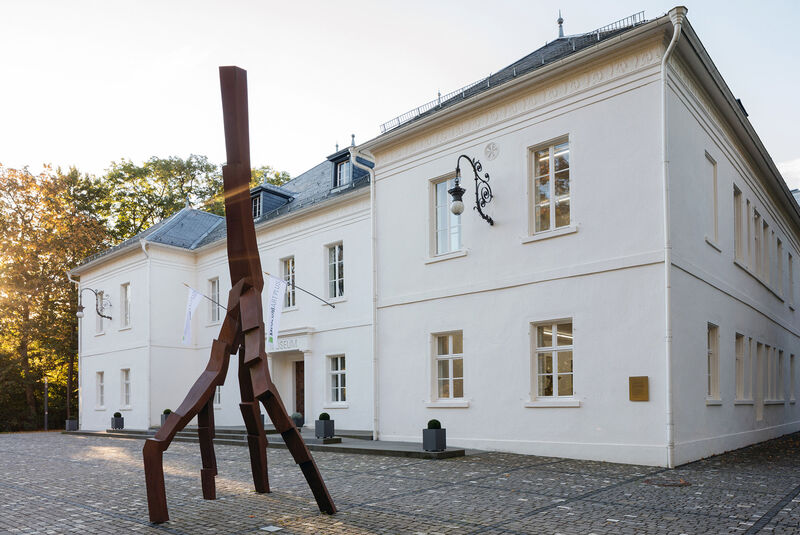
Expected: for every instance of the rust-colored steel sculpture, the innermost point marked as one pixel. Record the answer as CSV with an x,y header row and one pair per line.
x,y
242,331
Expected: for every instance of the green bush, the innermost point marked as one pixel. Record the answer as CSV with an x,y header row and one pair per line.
x,y
434,424
117,415
324,416
167,411
296,415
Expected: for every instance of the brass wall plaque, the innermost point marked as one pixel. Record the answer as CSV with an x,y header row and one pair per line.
x,y
638,388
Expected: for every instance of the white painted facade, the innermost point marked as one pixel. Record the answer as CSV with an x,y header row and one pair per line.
x,y
639,290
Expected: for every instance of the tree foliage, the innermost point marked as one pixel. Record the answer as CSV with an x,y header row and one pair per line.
x,y
49,223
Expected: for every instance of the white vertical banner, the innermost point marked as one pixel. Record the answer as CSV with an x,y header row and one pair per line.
x,y
276,290
192,302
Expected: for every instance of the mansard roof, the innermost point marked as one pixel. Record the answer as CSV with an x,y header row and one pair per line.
x,y
191,229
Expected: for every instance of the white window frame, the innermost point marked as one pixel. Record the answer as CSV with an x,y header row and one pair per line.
x,y
288,270
757,254
255,206
790,275
449,358
779,266
749,363
125,305
792,378
781,388
214,308
100,390
712,362
739,347
453,222
714,228
554,349
738,228
125,387
552,202
343,173
336,287
337,379
99,326
218,397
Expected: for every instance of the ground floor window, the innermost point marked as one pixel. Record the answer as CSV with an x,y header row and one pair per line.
x,y
338,378
450,365
100,394
553,359
125,383
218,396
712,362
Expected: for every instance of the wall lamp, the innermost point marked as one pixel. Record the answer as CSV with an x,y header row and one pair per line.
x,y
100,303
483,192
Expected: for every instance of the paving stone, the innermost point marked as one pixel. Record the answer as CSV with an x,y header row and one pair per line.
x,y
52,483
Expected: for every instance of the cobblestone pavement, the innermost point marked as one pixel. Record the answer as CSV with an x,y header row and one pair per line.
x,y
54,483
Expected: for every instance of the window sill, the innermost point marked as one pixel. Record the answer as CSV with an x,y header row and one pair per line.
x,y
744,402
756,277
555,403
446,256
335,300
713,244
100,408
99,334
128,328
336,405
213,323
454,404
714,402
774,402
290,309
550,234
126,409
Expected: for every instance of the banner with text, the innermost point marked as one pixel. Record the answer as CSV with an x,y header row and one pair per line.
x,y
276,291
192,302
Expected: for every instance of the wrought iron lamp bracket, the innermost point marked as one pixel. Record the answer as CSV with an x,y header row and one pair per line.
x,y
100,304
483,191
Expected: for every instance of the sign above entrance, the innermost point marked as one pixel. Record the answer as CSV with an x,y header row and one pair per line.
x,y
295,340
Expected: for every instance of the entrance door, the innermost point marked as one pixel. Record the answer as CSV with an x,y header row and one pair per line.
x,y
299,388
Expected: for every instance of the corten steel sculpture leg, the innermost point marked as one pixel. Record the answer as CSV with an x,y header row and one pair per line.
x,y
242,331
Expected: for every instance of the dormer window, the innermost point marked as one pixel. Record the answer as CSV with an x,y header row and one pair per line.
x,y
256,202
344,174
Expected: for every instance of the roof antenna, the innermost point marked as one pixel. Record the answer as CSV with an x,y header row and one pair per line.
x,y
560,25
352,140
337,147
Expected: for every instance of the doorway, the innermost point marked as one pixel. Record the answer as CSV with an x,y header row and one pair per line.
x,y
299,388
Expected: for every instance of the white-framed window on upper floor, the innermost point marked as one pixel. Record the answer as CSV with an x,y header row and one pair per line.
x,y
214,308
287,269
446,225
337,370
125,387
757,254
766,243
790,277
336,270
780,388
713,207
779,266
550,187
100,390
553,359
748,224
99,325
343,174
712,363
255,204
218,396
125,305
738,227
449,365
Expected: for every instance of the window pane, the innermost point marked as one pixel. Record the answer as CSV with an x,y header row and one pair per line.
x,y
565,385
458,344
443,345
542,162
544,336
542,203
444,368
562,213
341,287
458,388
342,380
334,364
562,183
564,334
561,157
332,289
444,388
341,362
335,381
441,242
545,362
564,361
545,385
343,397
458,368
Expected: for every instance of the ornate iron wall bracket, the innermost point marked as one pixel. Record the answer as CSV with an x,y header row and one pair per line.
x,y
100,304
483,191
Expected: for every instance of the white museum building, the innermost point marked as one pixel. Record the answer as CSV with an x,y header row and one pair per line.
x,y
633,299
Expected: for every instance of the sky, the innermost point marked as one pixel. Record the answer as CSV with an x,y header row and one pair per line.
x,y
85,83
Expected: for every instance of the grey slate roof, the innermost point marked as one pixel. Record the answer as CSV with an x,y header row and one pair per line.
x,y
190,229
550,52
796,194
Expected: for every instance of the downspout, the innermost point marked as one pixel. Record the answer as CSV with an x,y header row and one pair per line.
x,y
676,16
143,244
80,346
368,157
